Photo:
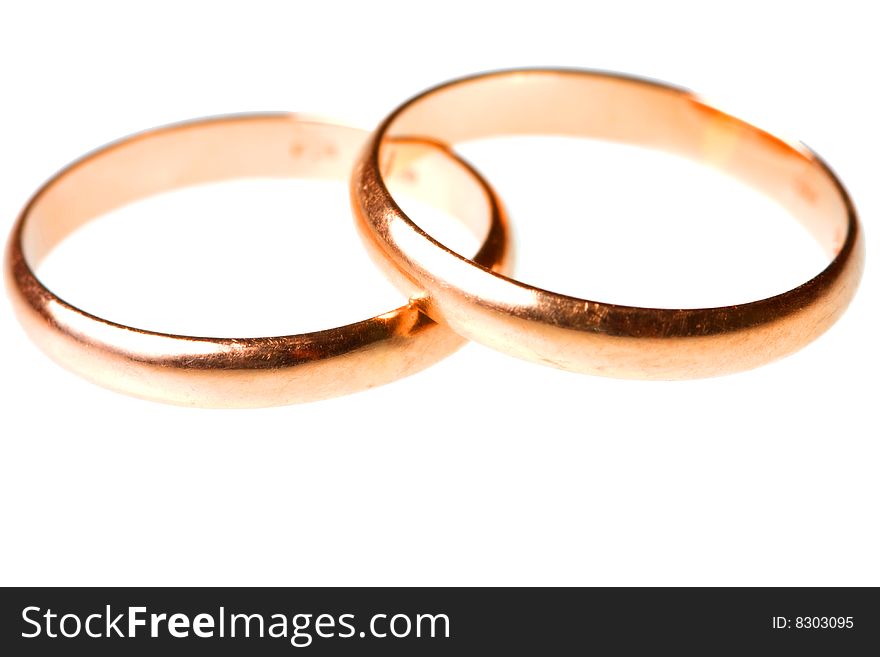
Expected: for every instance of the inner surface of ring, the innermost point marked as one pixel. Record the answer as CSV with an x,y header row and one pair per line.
x,y
632,112
265,146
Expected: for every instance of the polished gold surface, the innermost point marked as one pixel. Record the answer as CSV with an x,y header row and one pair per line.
x,y
226,372
591,336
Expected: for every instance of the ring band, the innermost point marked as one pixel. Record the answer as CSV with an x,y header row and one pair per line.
x,y
590,336
228,372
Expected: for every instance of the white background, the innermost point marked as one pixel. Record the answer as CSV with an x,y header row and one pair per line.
x,y
483,469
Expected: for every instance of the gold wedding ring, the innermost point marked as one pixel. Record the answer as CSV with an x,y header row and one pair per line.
x,y
452,297
591,336
264,371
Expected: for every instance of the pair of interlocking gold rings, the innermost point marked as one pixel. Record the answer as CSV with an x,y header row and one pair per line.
x,y
452,297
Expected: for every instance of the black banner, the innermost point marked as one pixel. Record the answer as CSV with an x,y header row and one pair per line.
x,y
445,621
